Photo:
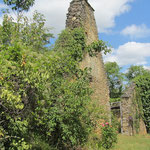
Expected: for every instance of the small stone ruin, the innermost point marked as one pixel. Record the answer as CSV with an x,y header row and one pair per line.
x,y
128,112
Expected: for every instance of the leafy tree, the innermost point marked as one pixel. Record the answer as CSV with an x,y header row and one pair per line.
x,y
20,5
135,71
31,33
115,79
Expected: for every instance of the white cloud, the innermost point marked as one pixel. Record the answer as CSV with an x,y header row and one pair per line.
x,y
105,12
135,31
130,53
54,11
147,67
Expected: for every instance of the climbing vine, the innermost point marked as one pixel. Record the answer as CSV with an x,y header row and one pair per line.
x,y
138,114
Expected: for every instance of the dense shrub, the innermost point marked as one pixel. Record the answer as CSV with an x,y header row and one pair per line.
x,y
109,136
43,94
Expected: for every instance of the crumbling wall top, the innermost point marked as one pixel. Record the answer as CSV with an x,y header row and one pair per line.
x,y
82,1
129,91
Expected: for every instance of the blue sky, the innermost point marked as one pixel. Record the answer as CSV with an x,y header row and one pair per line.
x,y
137,19
124,24
138,14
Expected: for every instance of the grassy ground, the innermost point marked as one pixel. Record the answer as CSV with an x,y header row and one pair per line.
x,y
133,142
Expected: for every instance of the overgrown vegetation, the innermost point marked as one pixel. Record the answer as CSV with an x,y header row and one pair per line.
x,y
44,95
135,75
109,136
104,137
141,78
143,87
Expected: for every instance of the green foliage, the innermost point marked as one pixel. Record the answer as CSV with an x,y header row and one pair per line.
x,y
136,123
40,88
138,112
66,41
115,78
115,99
103,139
115,121
109,136
19,5
141,77
73,42
31,33
97,47
135,71
143,84
40,144
43,94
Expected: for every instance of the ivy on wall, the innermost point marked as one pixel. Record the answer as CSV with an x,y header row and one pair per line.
x,y
143,85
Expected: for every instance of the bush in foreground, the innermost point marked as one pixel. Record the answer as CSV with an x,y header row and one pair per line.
x,y
43,94
109,136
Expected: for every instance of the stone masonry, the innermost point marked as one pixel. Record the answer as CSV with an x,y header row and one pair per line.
x,y
128,113
81,14
132,122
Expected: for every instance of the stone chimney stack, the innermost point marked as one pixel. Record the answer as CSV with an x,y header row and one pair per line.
x,y
81,14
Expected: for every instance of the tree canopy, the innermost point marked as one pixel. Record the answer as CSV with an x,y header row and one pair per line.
x,y
20,5
115,79
134,71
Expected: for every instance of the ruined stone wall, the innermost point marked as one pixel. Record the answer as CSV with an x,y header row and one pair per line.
x,y
81,14
131,113
126,113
